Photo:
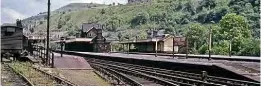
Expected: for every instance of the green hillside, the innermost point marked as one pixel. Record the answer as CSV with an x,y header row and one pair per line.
x,y
175,17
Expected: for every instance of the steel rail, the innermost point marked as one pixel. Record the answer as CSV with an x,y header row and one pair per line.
x,y
56,78
173,79
139,74
23,77
213,79
123,77
53,77
102,70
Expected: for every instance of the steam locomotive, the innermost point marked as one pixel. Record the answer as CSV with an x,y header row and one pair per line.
x,y
13,42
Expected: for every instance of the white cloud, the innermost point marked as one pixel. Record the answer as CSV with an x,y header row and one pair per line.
x,y
11,15
59,3
14,9
98,1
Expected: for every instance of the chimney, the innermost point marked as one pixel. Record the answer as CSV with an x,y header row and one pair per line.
x,y
19,23
99,33
154,33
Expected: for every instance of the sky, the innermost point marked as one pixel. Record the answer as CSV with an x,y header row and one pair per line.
x,y
20,9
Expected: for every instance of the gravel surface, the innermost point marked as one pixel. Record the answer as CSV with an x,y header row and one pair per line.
x,y
81,77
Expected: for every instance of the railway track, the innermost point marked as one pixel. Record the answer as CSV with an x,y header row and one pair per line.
x,y
38,77
138,79
177,77
114,77
155,77
9,77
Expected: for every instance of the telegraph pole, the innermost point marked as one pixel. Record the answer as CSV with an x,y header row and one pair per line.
x,y
47,36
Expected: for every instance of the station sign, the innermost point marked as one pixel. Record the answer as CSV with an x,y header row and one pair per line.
x,y
179,41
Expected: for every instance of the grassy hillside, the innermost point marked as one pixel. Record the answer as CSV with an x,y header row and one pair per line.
x,y
174,16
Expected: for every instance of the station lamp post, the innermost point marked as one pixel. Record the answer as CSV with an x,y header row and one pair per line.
x,y
128,45
173,46
230,47
62,43
210,41
156,48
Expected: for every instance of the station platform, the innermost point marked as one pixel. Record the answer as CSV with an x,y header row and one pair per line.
x,y
70,62
77,70
248,69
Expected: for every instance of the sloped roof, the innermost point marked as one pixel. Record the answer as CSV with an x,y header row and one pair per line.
x,y
10,25
86,27
160,38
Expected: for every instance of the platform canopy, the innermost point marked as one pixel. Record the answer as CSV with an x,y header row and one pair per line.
x,y
79,40
149,40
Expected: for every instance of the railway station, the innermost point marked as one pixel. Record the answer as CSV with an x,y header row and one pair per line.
x,y
157,54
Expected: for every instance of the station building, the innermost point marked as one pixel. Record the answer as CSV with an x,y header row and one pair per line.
x,y
89,40
164,43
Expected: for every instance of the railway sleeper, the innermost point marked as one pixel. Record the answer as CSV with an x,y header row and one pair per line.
x,y
190,75
232,81
213,79
59,80
142,75
180,79
46,75
147,77
166,75
23,77
218,80
108,75
124,77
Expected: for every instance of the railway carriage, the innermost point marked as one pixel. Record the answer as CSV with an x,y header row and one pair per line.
x,y
13,41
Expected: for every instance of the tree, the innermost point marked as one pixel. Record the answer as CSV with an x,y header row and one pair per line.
x,y
250,47
196,35
207,4
220,48
119,36
103,11
113,4
41,22
61,23
234,27
190,7
141,18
